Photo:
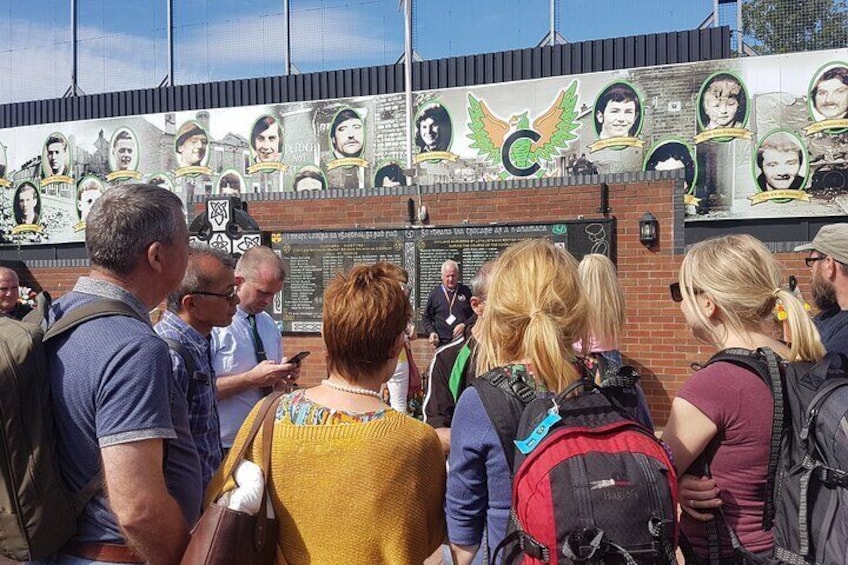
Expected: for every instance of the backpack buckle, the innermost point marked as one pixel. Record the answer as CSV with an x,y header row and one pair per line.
x,y
533,548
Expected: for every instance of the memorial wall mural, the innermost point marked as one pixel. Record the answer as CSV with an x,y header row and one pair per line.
x,y
759,137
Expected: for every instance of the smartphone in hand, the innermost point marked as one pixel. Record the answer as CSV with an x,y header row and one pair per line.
x,y
298,359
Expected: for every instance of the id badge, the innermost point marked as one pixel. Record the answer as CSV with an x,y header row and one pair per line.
x,y
450,319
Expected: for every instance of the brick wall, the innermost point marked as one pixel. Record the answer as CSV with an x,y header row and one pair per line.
x,y
656,340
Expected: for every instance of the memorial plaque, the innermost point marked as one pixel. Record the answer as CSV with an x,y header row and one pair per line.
x,y
313,258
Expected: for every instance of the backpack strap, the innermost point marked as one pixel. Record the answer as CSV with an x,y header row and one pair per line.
x,y
184,353
458,370
504,395
97,309
765,363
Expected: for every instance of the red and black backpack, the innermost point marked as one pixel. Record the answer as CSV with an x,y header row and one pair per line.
x,y
590,484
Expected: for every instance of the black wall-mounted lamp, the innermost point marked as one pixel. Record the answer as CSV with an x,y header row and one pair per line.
x,y
649,230
410,211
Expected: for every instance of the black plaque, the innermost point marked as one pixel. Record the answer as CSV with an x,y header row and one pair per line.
x,y
313,258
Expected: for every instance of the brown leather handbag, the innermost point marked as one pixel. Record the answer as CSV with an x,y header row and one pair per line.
x,y
224,536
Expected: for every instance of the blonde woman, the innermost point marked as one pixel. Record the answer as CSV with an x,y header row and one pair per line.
x,y
353,481
605,301
722,416
535,311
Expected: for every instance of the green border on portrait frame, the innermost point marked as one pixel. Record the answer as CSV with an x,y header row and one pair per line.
x,y
330,135
225,172
103,188
317,168
205,160
804,149
69,148
434,102
641,108
4,160
281,144
810,98
382,163
701,125
689,148
137,147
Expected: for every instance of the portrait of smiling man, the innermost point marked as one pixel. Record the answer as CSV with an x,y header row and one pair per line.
x,y
618,112
830,95
266,140
191,145
124,149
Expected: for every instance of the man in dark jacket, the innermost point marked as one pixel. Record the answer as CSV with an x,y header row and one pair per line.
x,y
448,307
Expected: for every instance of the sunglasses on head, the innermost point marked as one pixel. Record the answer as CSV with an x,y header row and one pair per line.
x,y
677,293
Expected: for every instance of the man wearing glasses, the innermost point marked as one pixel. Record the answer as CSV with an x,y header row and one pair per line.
x,y
828,262
247,356
206,299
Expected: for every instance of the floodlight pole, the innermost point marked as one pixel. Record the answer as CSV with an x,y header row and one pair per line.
x,y
553,23
407,77
74,49
287,17
169,11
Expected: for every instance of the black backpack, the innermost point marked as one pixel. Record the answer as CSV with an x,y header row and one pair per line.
x,y
807,484
39,513
590,484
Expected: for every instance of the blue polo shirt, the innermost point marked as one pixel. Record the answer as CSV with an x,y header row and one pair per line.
x,y
111,384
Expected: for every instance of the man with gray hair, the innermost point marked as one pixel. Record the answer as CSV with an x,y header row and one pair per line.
x,y
448,307
112,389
10,306
452,366
247,356
206,299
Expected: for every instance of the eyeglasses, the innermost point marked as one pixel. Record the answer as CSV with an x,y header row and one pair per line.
x,y
231,296
677,294
810,260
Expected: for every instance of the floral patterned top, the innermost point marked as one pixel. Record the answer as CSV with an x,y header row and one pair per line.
x,y
301,411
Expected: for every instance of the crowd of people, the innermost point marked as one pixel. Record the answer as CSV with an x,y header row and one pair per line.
x,y
353,479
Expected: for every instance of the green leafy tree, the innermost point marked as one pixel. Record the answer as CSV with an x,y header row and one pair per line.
x,y
786,26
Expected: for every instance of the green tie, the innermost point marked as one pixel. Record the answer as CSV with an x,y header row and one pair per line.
x,y
258,348
257,341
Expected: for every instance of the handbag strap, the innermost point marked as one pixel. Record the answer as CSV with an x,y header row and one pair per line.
x,y
267,421
264,411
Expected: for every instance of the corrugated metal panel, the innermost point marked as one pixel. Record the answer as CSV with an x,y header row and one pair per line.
x,y
522,64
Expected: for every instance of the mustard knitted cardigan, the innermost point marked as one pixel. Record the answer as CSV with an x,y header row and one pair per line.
x,y
367,493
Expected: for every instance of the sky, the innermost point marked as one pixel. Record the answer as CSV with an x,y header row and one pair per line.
x,y
122,43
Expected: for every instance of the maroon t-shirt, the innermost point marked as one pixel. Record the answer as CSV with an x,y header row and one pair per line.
x,y
740,405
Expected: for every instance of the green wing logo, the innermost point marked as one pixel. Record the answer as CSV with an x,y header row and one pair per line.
x,y
519,148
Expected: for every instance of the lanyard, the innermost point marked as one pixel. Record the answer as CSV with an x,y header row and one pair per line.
x,y
450,300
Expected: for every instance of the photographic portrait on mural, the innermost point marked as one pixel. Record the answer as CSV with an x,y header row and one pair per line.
x,y
230,183
27,204
618,112
347,136
672,155
309,178
161,179
191,145
56,157
389,174
828,98
123,154
722,107
781,164
266,144
89,189
433,129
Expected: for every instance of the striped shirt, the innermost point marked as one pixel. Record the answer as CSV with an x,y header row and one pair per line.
x,y
199,390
